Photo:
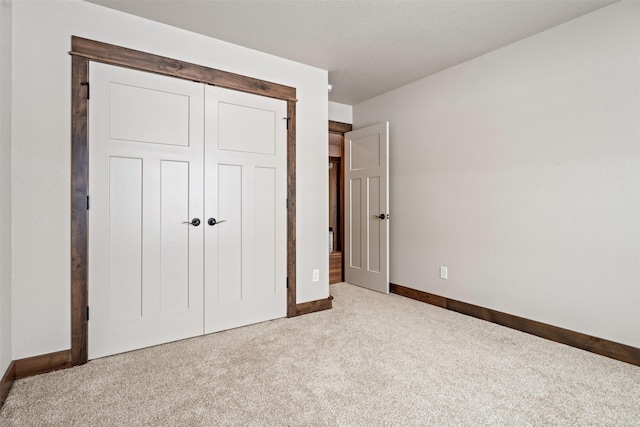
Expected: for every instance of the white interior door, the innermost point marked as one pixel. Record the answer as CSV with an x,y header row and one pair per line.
x,y
245,186
145,184
367,207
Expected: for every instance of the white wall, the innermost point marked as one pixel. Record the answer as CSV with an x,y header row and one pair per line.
x,y
41,151
340,112
5,185
520,171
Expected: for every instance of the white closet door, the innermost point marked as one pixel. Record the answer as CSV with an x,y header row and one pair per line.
x,y
145,185
245,186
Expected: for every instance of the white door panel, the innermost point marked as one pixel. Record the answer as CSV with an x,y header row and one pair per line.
x,y
229,235
143,114
353,228
264,232
145,265
174,236
245,257
375,225
125,239
367,197
257,138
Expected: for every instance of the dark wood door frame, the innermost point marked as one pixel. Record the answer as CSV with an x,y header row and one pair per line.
x,y
83,52
335,192
340,128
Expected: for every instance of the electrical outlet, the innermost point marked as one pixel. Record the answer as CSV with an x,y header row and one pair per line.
x,y
444,272
316,275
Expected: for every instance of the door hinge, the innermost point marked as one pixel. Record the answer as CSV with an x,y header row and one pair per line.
x,y
88,88
87,313
288,119
87,202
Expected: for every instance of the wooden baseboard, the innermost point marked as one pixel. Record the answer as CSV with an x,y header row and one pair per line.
x,y
42,364
313,306
614,350
7,382
418,295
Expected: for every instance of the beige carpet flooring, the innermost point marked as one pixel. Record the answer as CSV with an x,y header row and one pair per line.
x,y
374,360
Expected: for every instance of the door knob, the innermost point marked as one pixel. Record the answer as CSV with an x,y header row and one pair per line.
x,y
212,221
195,222
381,216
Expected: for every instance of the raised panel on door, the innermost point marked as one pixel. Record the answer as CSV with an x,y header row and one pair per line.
x,y
153,115
366,216
229,237
354,224
374,225
174,236
265,227
125,239
245,186
145,182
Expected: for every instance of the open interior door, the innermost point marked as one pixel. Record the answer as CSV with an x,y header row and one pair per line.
x,y
367,207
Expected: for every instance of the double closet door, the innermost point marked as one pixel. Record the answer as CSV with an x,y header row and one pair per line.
x,y
187,214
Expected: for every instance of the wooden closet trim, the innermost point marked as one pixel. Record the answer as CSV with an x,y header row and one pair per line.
x,y
79,224
137,60
83,51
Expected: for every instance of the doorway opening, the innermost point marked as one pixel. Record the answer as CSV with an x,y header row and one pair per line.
x,y
336,200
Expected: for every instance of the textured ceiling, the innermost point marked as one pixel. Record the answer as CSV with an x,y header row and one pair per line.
x,y
368,47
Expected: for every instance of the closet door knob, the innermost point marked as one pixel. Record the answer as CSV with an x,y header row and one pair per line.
x,y
212,221
195,222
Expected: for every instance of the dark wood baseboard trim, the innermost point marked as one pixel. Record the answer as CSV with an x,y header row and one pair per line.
x,y
313,306
603,347
418,295
42,364
7,382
